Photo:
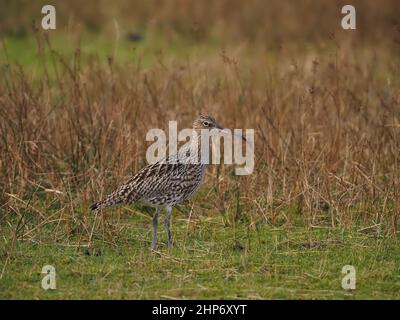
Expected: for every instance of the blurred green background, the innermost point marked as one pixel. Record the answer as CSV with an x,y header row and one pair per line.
x,y
123,29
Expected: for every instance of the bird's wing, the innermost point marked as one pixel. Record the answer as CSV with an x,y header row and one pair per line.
x,y
154,179
150,181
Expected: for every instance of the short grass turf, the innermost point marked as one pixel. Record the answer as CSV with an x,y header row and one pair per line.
x,y
209,260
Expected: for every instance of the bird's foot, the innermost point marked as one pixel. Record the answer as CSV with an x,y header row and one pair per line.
x,y
169,244
154,247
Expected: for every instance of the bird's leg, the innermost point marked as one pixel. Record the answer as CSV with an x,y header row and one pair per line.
x,y
155,221
167,226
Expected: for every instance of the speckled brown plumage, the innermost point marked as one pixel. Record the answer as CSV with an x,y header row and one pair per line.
x,y
158,184
163,184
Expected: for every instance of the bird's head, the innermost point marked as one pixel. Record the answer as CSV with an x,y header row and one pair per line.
x,y
206,122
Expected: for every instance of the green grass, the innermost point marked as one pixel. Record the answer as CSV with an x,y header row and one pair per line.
x,y
222,256
209,260
33,57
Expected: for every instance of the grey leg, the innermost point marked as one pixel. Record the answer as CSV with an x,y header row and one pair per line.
x,y
155,222
167,226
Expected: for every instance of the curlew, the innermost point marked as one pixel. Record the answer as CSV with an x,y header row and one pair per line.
x,y
165,183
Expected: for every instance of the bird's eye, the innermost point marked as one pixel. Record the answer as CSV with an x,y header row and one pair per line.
x,y
206,123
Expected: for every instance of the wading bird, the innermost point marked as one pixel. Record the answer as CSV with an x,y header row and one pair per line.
x,y
167,182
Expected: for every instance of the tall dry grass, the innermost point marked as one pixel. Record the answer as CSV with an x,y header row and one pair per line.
x,y
327,128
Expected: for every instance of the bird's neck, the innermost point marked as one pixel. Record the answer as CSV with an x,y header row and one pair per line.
x,y
191,153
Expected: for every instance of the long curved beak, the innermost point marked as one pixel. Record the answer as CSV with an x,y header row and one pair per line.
x,y
228,131
223,130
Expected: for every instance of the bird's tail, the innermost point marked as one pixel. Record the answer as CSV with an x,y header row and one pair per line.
x,y
109,201
122,195
95,206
